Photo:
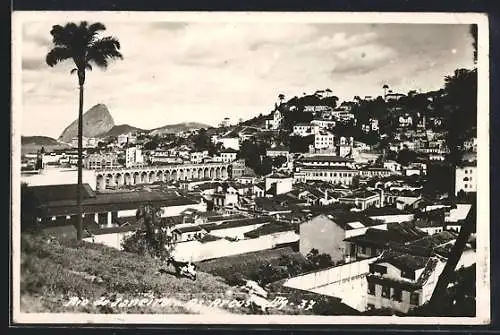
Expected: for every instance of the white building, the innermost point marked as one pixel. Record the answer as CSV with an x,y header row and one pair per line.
x,y
281,183
228,155
405,121
393,166
133,157
197,156
302,129
225,123
122,139
275,120
85,142
466,178
230,142
324,140
323,123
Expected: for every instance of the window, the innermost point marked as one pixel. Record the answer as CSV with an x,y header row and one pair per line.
x,y
377,268
414,298
397,295
408,274
371,288
386,291
363,250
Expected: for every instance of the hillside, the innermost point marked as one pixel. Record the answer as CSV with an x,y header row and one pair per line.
x,y
31,144
174,128
53,272
38,140
96,121
120,129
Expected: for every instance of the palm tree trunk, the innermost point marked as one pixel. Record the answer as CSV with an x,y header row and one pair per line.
x,y
79,224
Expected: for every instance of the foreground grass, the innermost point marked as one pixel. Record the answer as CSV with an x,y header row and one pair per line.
x,y
54,272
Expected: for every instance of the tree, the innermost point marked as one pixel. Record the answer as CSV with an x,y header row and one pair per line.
x,y
82,44
278,161
152,238
405,157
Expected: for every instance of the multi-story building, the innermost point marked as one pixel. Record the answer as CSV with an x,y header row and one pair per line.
x,y
405,121
324,140
101,161
331,174
325,161
370,172
274,120
470,144
133,157
197,156
228,155
393,166
238,168
401,281
226,122
466,177
302,129
323,123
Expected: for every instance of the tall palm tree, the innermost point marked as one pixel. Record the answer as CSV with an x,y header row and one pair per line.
x,y
82,44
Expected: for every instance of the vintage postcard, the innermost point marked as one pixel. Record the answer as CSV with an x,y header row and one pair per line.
x,y
255,168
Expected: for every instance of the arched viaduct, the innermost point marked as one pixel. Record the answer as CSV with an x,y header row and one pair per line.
x,y
150,174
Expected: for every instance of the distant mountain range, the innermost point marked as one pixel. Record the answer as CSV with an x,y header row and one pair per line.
x,y
98,122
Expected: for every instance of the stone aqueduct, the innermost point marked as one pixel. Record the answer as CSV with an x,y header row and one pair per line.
x,y
150,174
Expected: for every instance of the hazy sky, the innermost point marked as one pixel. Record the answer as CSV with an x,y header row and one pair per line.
x,y
175,72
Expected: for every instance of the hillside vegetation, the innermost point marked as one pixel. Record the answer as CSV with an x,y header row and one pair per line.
x,y
53,272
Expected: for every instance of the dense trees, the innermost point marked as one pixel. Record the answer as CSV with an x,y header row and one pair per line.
x,y
301,144
254,155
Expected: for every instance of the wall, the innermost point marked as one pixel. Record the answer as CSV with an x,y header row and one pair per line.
x,y
347,282
111,240
127,213
380,302
177,210
196,251
323,234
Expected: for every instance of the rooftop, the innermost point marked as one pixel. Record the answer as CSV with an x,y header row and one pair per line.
x,y
188,229
53,203
269,228
324,158
402,260
363,194
235,223
395,233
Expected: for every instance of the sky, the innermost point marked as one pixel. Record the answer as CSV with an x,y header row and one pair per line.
x,y
204,71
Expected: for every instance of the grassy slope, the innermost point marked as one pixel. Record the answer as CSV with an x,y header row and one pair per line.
x,y
51,273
